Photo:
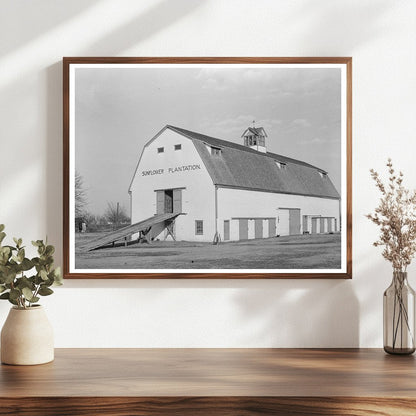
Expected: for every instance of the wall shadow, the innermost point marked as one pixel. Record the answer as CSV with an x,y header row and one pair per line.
x,y
336,17
54,146
302,314
44,16
155,19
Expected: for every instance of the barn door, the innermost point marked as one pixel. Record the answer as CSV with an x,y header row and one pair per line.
x,y
226,230
330,230
322,225
284,224
168,201
160,202
294,221
177,200
314,225
243,229
258,228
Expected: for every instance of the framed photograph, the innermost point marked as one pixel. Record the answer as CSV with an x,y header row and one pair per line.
x,y
207,168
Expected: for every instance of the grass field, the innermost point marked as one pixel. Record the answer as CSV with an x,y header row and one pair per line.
x,y
318,251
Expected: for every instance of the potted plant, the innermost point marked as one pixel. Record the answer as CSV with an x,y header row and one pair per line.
x,y
27,336
396,217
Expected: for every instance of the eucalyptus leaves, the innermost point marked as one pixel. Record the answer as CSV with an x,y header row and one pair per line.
x,y
15,285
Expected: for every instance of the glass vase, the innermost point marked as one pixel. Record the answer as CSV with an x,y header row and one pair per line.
x,y
399,316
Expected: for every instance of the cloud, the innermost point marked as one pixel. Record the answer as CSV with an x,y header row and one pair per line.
x,y
316,140
223,79
301,122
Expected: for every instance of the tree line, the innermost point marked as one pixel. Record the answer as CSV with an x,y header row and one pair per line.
x,y
114,217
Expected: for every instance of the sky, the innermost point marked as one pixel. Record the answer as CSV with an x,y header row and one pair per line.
x,y
118,110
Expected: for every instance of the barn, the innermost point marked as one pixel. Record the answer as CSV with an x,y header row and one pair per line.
x,y
191,187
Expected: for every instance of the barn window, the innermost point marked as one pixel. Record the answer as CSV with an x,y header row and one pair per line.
x,y
160,149
199,227
215,151
178,146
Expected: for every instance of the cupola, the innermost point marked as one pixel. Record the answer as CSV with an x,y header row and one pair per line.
x,y
255,138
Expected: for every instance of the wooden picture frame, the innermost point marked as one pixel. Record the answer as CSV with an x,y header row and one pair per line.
x,y
194,185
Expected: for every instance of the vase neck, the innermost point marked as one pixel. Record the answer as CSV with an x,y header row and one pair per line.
x,y
400,276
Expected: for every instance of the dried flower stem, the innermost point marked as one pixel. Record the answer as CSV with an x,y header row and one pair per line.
x,y
396,217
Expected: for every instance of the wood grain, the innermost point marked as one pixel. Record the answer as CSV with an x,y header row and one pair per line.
x,y
212,381
67,61
214,372
207,406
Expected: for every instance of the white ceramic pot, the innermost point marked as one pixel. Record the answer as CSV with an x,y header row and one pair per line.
x,y
27,337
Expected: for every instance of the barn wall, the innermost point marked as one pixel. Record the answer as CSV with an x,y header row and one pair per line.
x,y
157,171
234,203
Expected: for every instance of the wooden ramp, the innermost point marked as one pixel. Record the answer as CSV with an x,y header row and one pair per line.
x,y
142,226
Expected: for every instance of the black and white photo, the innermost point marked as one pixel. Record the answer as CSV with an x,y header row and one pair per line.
x,y
207,168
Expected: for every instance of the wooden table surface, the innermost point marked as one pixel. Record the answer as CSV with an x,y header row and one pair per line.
x,y
212,381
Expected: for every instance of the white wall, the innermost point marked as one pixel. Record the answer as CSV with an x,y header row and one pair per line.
x,y
234,203
380,35
198,198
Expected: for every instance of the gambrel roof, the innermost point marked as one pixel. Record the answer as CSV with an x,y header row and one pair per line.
x,y
240,167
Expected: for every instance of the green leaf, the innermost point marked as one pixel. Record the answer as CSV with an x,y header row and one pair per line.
x,y
9,277
45,291
5,295
2,288
15,294
25,282
37,243
17,241
2,227
5,250
4,255
49,250
58,276
11,248
48,260
27,293
21,255
38,280
13,302
43,274
2,236
26,264
41,249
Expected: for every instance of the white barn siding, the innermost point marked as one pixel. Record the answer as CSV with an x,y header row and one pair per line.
x,y
234,230
238,203
250,229
282,221
198,195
